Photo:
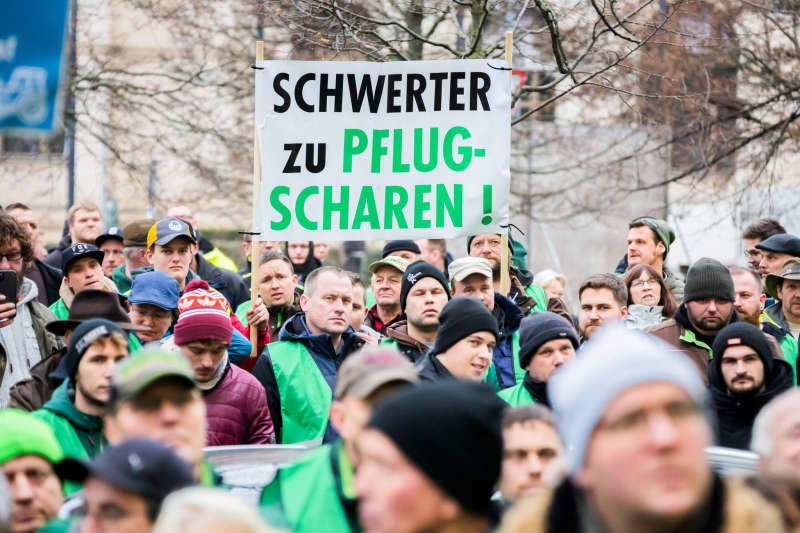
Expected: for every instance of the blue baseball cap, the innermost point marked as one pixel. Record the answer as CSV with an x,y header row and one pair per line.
x,y
112,233
155,288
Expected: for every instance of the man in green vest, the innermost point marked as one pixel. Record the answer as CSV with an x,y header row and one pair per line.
x,y
155,396
299,372
532,451
74,411
28,454
472,277
546,342
464,344
319,488
423,294
83,269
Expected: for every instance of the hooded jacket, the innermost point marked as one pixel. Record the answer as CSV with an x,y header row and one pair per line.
x,y
397,335
61,307
299,374
40,316
508,317
735,414
311,263
80,435
236,410
121,279
731,508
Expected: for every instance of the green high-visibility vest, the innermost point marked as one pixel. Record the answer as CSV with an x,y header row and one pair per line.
x,y
516,396
305,395
304,497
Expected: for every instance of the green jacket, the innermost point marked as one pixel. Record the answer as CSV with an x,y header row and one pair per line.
x,y
516,395
537,293
121,279
316,490
80,435
59,308
305,394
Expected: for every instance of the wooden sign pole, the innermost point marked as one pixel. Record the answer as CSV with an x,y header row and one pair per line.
x,y
255,257
505,280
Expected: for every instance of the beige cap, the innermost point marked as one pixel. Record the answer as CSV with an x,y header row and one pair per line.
x,y
363,372
465,266
393,261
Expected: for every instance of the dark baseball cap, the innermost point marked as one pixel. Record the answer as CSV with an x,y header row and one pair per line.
x,y
114,232
168,229
77,251
138,465
135,233
782,243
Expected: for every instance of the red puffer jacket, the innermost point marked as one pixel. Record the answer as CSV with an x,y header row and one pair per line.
x,y
236,410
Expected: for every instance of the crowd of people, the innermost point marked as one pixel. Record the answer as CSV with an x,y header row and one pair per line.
x,y
431,398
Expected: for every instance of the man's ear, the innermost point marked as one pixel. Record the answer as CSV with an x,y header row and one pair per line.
x,y
148,255
303,302
337,416
624,311
67,283
295,279
660,248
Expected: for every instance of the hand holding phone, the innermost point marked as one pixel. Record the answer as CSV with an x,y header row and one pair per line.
x,y
8,297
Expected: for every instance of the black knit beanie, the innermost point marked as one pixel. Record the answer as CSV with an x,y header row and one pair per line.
x,y
540,328
742,334
415,272
708,278
83,336
451,432
461,317
400,246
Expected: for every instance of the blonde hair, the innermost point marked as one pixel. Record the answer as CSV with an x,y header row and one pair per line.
x,y
546,276
114,338
218,510
84,205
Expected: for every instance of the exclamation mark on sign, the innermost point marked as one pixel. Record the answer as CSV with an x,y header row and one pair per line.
x,y
487,205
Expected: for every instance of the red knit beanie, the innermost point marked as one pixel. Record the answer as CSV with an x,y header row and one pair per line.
x,y
203,315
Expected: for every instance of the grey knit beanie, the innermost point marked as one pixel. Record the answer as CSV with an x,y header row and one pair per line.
x,y
708,278
616,359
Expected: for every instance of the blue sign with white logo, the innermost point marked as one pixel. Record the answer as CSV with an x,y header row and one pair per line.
x,y
32,53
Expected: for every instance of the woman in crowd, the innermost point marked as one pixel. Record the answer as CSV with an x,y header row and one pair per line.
x,y
649,299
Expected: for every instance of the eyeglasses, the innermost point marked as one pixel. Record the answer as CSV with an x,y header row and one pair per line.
x,y
640,283
12,257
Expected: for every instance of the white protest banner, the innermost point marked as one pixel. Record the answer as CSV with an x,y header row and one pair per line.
x,y
362,150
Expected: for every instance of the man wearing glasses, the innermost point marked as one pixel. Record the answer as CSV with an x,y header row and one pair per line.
x,y
23,338
649,240
753,235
